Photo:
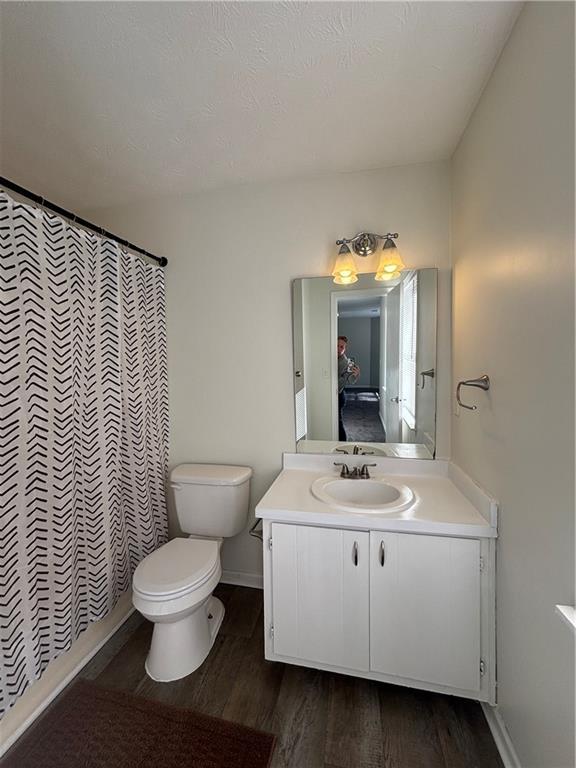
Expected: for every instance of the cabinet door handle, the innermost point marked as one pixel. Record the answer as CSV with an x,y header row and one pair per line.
x,y
381,554
355,553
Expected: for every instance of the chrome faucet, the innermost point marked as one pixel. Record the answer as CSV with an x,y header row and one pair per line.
x,y
357,450
356,473
345,471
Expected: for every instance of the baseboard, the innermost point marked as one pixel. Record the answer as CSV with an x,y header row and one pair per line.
x,y
501,736
243,579
15,735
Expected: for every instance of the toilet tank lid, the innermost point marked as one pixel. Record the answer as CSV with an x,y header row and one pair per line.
x,y
210,474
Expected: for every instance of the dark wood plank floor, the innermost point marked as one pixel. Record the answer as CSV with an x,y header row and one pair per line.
x,y
322,720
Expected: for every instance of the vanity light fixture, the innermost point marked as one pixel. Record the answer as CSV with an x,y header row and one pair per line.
x,y
365,244
344,272
391,263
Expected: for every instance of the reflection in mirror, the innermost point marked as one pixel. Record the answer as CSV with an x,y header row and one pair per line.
x,y
365,365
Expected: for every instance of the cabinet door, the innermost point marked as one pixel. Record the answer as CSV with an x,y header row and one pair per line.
x,y
425,608
320,594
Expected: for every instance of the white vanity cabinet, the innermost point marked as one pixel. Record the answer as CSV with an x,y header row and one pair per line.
x,y
320,595
425,608
407,608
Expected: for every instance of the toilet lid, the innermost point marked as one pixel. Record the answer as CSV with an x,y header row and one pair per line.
x,y
176,567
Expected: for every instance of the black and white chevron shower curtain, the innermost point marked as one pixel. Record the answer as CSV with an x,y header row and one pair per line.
x,y
83,432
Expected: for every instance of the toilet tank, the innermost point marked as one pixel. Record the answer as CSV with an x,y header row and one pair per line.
x,y
211,499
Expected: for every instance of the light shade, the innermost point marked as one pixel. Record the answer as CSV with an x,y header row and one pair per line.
x,y
345,272
391,263
387,275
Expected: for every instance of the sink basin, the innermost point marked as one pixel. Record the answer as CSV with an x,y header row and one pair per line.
x,y
375,495
365,449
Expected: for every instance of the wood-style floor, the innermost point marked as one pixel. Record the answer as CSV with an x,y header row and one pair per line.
x,y
322,720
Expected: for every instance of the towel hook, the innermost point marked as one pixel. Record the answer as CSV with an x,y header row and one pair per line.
x,y
483,382
430,372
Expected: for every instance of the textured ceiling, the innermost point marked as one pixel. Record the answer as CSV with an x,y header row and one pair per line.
x,y
104,103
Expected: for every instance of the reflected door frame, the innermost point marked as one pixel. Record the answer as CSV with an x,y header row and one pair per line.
x,y
335,297
392,395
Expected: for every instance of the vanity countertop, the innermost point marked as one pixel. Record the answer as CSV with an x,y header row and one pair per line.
x,y
440,507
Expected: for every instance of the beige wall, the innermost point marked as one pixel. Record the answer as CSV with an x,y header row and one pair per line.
x,y
233,254
513,230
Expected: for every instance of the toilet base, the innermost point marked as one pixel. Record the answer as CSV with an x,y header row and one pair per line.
x,y
179,647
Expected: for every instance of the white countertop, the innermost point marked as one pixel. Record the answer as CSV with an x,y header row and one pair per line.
x,y
440,507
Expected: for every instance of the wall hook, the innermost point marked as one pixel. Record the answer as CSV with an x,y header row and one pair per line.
x,y
430,372
483,382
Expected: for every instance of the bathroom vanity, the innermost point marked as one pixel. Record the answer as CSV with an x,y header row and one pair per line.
x,y
397,588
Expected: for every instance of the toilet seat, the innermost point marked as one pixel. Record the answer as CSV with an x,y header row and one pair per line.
x,y
177,568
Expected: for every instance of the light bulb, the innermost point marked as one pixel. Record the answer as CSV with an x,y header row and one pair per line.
x,y
387,275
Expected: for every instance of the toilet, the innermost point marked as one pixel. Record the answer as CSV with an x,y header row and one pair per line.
x,y
173,586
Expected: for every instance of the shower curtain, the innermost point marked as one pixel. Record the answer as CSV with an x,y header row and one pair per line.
x,y
83,432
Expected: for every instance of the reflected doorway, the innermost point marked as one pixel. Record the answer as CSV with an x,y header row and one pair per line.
x,y
359,320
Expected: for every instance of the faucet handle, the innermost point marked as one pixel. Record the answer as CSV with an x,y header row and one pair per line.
x,y
345,471
364,471
341,450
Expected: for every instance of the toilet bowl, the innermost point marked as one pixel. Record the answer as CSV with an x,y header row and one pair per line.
x,y
172,587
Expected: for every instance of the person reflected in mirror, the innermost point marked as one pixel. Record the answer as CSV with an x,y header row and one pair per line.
x,y
348,373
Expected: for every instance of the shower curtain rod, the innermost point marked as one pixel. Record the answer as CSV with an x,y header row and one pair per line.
x,y
162,261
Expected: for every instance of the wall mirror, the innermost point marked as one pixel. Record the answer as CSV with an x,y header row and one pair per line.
x,y
374,390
